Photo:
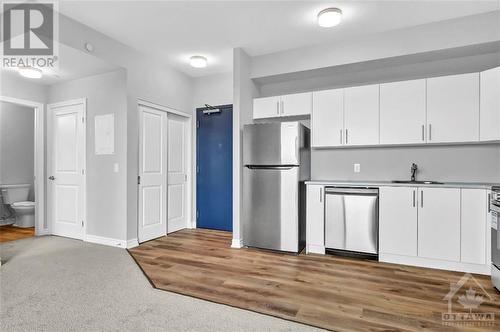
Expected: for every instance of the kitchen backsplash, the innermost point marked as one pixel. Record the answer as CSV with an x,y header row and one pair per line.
x,y
462,163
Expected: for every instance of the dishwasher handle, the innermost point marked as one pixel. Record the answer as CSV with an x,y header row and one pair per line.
x,y
351,191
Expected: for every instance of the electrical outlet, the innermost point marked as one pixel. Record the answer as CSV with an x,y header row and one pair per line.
x,y
357,168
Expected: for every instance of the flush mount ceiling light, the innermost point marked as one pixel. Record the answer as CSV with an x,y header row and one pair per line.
x,y
329,17
30,72
198,61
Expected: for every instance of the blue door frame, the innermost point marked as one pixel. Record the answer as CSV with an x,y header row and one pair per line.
x,y
214,170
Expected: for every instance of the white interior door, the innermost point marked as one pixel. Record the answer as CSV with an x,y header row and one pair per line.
x,y
177,173
152,173
66,162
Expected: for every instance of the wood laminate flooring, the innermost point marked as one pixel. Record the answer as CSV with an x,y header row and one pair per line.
x,y
335,293
11,233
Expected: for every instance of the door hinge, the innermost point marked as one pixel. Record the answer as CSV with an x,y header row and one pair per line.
x,y
83,119
185,177
197,169
197,214
139,179
198,124
82,223
83,172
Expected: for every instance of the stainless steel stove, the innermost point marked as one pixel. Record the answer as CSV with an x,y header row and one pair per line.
x,y
495,236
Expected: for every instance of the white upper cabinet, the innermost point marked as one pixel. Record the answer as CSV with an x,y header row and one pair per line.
x,y
453,108
267,107
296,104
403,112
287,105
327,119
490,105
361,115
398,220
439,223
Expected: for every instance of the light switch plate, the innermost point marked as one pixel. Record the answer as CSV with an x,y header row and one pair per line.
x,y
357,168
116,168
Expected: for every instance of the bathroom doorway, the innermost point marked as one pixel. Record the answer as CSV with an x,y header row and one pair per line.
x,y
21,167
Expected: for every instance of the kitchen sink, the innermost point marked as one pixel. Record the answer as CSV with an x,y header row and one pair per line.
x,y
416,182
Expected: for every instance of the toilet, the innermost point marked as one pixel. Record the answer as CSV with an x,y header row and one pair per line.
x,y
16,195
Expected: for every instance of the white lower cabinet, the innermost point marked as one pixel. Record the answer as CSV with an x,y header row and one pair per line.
x,y
398,220
474,238
315,219
439,223
444,228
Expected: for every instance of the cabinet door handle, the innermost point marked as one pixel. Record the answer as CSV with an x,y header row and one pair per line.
x,y
413,198
321,195
346,136
430,132
278,107
423,132
421,198
340,136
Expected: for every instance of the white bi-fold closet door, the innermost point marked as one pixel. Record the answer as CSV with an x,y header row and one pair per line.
x,y
152,173
162,173
66,168
177,172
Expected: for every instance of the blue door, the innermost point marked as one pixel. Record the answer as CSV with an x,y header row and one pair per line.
x,y
214,172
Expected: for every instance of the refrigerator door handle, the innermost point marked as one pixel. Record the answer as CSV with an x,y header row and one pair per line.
x,y
296,147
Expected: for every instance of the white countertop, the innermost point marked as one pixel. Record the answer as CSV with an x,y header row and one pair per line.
x,y
474,185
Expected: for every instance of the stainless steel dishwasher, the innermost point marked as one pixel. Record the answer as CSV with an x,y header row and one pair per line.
x,y
351,221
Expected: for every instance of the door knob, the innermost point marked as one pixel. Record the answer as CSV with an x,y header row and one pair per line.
x,y
52,178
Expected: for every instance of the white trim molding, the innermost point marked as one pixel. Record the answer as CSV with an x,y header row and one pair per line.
x,y
107,241
237,243
436,264
132,243
42,227
315,249
146,103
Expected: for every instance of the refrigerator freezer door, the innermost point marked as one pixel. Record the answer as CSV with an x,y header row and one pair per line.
x,y
270,205
271,144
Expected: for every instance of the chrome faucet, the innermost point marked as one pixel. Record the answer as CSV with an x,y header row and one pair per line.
x,y
414,168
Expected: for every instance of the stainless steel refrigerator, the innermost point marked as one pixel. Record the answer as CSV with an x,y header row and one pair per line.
x,y
276,159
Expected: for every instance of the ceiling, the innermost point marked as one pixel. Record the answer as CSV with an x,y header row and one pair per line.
x,y
175,30
73,64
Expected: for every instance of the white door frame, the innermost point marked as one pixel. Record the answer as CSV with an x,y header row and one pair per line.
x,y
84,166
41,226
189,153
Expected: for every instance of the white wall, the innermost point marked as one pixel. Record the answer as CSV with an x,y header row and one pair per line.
x,y
213,90
12,85
469,30
147,78
17,144
243,92
453,163
106,190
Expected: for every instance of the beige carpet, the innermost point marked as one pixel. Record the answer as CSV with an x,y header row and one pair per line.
x,y
57,284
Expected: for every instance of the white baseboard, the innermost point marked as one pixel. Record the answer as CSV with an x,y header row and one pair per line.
x,y
237,243
436,264
315,249
132,243
107,241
